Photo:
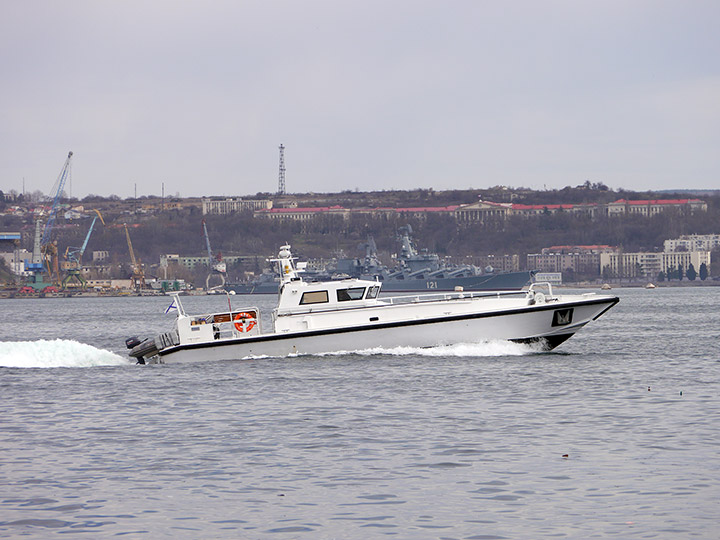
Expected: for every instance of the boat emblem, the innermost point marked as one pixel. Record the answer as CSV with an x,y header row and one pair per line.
x,y
562,317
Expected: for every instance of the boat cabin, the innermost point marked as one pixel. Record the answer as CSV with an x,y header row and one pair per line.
x,y
305,305
312,305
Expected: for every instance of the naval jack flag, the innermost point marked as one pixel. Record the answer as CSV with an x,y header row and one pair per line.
x,y
171,307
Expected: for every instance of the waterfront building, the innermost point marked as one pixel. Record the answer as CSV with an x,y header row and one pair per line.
x,y
553,278
648,265
578,259
15,260
192,262
499,263
118,284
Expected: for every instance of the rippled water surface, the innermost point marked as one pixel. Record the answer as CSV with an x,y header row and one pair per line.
x,y
615,434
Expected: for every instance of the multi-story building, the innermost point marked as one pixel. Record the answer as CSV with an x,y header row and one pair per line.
x,y
100,256
306,214
499,263
649,265
482,211
303,214
693,242
652,207
477,212
235,204
192,262
15,260
529,210
579,259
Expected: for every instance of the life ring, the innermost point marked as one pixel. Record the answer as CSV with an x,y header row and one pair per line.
x,y
539,298
244,321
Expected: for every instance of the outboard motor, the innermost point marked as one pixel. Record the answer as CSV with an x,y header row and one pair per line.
x,y
143,349
132,342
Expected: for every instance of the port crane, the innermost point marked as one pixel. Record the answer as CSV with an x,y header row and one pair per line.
x,y
45,248
218,267
73,257
138,275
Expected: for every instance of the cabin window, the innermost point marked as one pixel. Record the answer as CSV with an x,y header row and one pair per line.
x,y
372,292
314,297
356,293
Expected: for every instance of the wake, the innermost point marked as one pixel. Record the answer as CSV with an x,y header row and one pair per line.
x,y
480,349
54,354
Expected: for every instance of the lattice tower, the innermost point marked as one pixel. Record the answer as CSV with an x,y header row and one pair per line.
x,y
281,175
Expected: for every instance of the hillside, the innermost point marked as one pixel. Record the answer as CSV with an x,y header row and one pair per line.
x,y
179,230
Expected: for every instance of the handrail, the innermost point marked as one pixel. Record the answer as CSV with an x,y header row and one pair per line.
x,y
402,300
546,284
229,314
440,297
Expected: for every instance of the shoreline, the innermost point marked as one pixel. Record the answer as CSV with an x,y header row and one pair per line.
x,y
640,284
11,294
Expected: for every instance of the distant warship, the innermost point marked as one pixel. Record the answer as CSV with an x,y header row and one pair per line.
x,y
425,271
417,271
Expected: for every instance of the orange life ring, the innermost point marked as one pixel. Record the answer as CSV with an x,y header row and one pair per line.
x,y
244,321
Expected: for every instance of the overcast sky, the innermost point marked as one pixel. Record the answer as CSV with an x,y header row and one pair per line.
x,y
369,95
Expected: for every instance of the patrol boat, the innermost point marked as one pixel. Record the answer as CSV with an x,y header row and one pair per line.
x,y
335,316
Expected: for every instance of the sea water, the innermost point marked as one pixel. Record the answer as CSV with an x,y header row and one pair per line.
x,y
613,435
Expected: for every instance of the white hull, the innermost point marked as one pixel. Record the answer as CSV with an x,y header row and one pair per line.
x,y
349,315
547,323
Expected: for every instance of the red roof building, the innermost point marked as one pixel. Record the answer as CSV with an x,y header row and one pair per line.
x,y
654,206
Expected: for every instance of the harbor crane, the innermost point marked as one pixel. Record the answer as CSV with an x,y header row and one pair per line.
x,y
45,250
138,275
73,257
217,265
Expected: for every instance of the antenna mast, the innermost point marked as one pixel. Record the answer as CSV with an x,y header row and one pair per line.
x,y
281,175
